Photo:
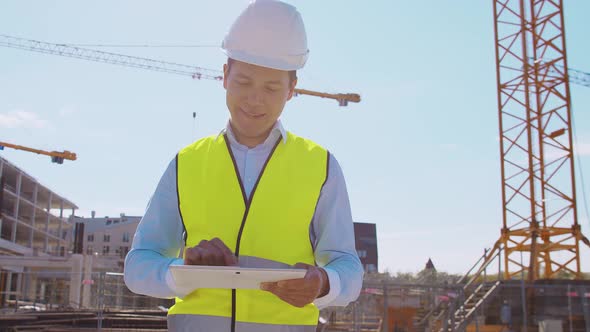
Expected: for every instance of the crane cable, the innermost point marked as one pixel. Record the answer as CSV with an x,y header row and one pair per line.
x,y
141,45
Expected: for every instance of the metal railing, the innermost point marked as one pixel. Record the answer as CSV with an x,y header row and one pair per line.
x,y
385,305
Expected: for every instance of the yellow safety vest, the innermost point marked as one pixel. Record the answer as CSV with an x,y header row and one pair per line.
x,y
271,228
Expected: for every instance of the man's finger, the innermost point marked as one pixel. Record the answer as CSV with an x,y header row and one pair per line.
x,y
192,257
291,284
214,255
203,255
229,257
295,299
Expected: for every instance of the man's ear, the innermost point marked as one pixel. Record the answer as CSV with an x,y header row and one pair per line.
x,y
225,74
292,89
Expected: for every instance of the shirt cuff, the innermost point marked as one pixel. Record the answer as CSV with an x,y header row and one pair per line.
x,y
176,290
334,279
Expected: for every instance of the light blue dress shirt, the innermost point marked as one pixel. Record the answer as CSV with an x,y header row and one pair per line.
x,y
158,239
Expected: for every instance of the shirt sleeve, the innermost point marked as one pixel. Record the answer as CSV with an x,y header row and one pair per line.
x,y
157,242
332,232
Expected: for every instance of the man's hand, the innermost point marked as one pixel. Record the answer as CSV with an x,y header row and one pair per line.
x,y
213,252
299,292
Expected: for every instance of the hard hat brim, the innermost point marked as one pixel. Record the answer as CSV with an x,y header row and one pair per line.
x,y
282,62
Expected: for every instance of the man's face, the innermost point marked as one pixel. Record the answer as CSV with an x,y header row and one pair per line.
x,y
255,98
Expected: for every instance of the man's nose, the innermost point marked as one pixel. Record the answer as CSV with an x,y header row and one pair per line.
x,y
255,98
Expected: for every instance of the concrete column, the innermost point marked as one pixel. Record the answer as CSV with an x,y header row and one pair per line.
x,y
47,221
76,280
33,288
61,216
35,193
8,285
19,284
26,282
42,290
30,284
87,288
16,208
119,298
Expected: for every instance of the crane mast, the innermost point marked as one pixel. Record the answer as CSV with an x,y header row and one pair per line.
x,y
541,234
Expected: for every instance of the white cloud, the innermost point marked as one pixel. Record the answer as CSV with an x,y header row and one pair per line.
x,y
22,119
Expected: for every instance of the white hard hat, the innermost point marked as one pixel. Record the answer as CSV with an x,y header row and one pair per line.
x,y
270,34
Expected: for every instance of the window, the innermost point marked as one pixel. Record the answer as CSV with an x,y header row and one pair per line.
x,y
109,221
107,238
362,253
125,237
90,237
89,250
123,251
105,250
371,268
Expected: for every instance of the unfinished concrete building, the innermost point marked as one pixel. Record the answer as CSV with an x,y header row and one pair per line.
x,y
33,218
34,222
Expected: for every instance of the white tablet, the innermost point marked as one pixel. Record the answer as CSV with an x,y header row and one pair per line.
x,y
200,276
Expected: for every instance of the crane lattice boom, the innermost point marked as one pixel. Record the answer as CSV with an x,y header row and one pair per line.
x,y
145,63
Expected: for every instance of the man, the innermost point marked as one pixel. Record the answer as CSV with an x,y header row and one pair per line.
x,y
255,196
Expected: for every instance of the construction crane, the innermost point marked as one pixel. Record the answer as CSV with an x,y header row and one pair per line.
x,y
541,236
144,63
56,157
574,76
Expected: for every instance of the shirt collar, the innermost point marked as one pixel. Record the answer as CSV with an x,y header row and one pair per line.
x,y
276,130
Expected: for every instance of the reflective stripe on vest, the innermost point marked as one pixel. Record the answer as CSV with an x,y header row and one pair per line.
x,y
269,230
193,323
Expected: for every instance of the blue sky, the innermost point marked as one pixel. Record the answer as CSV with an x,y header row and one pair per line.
x,y
420,152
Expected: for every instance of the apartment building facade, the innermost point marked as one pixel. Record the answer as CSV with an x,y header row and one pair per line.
x,y
108,238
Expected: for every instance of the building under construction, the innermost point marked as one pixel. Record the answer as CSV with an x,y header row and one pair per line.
x,y
36,225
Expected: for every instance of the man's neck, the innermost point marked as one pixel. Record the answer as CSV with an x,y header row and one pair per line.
x,y
249,141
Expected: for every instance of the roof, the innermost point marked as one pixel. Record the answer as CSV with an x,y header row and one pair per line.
x,y
104,223
430,265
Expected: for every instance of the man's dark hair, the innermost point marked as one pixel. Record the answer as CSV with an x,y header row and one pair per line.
x,y
292,73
